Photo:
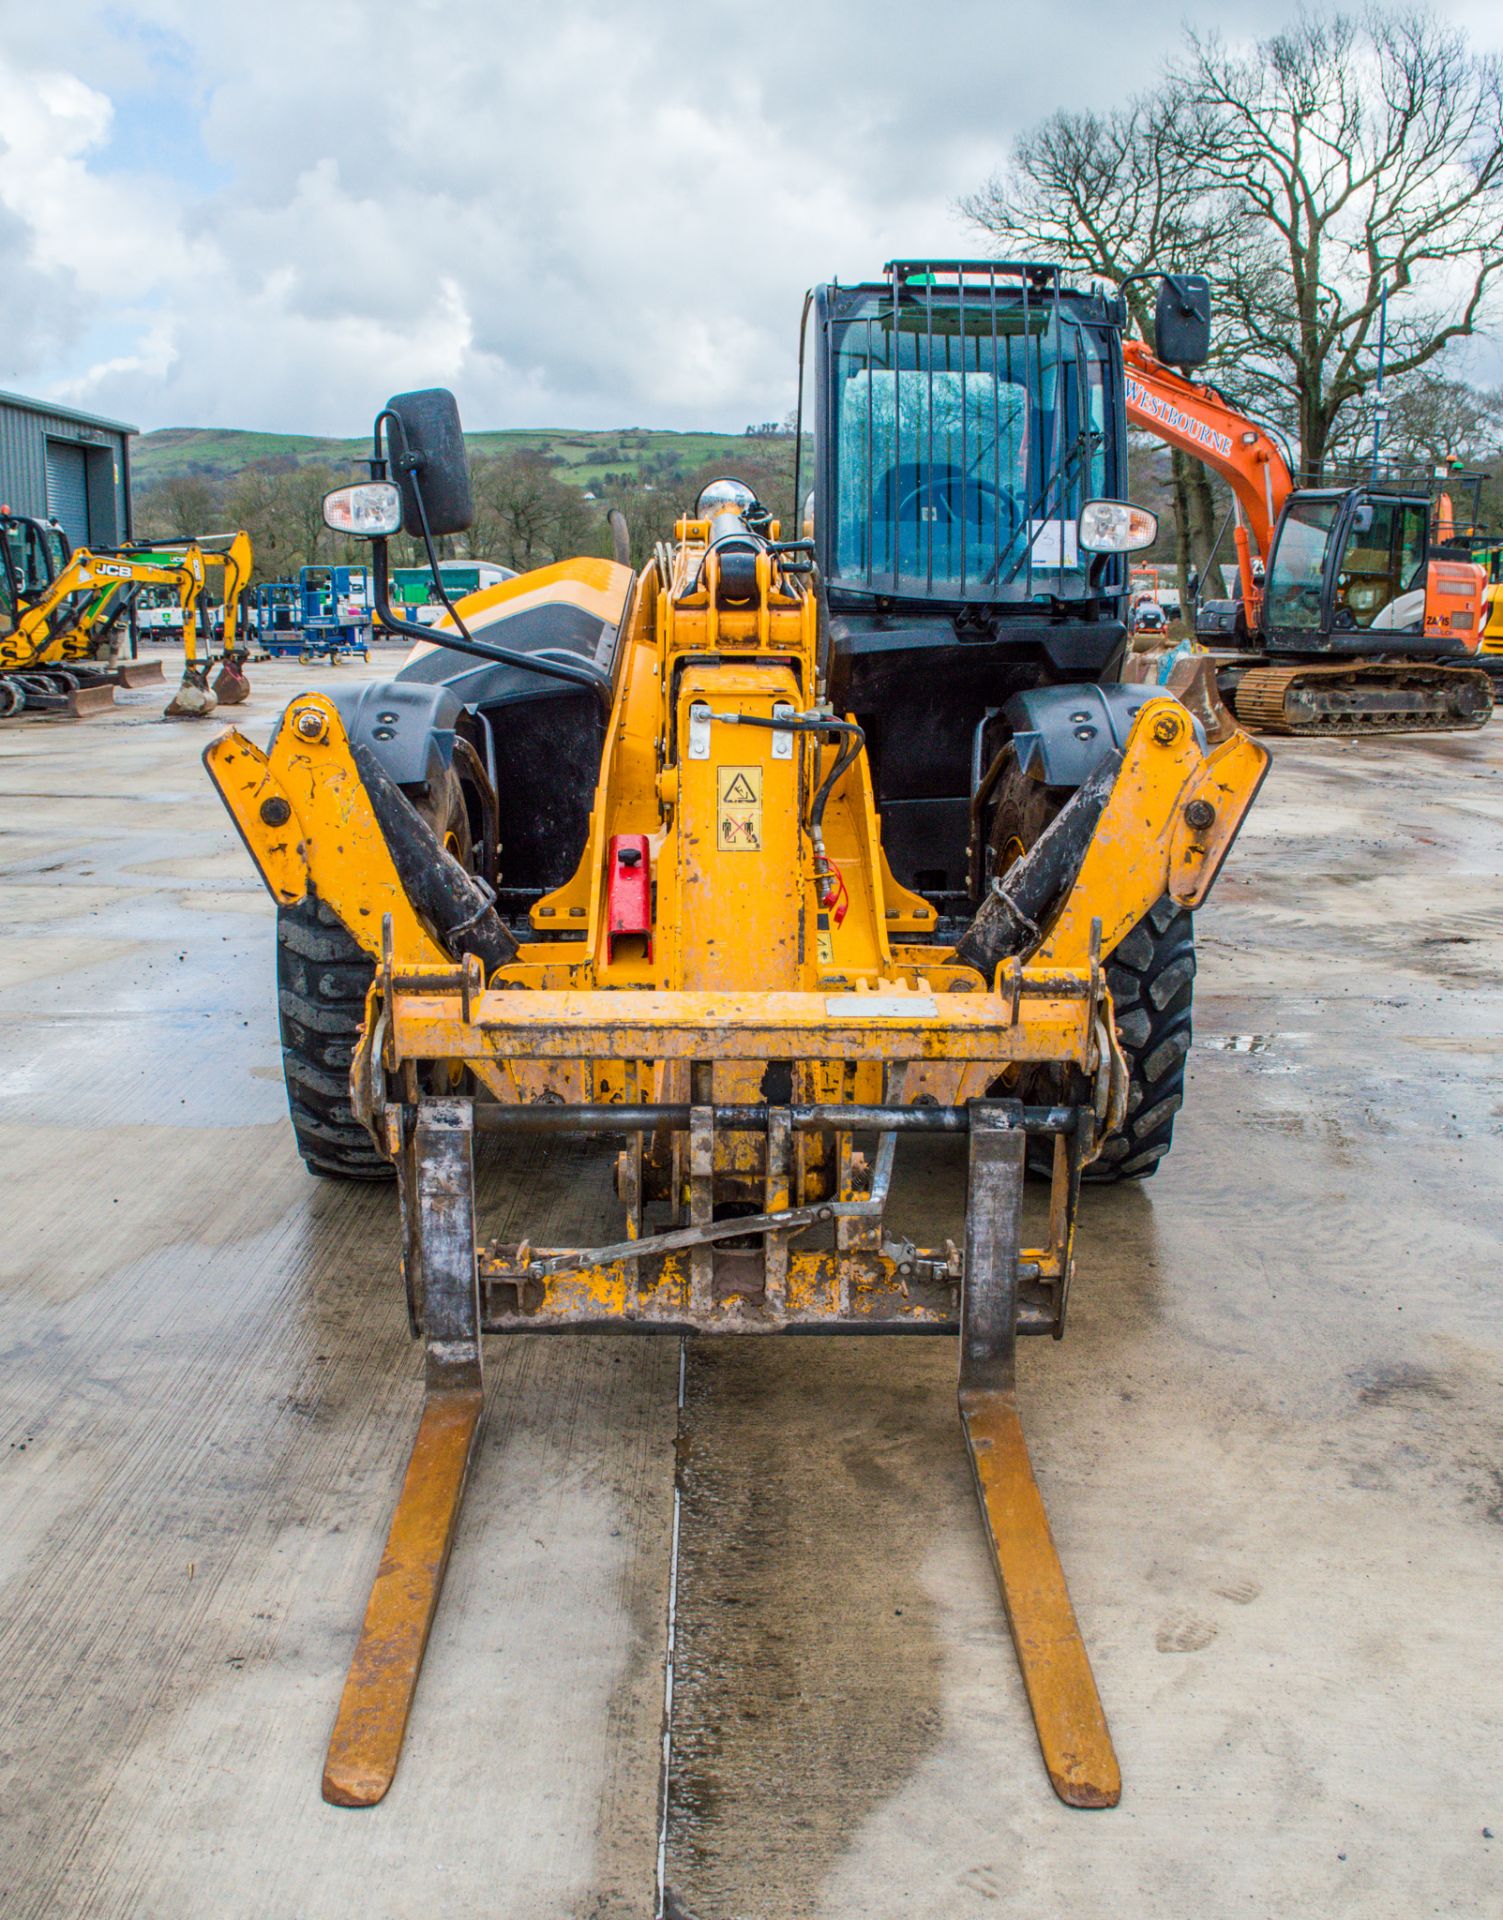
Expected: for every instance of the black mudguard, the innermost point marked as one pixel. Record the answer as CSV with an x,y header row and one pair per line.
x,y
408,725
1063,734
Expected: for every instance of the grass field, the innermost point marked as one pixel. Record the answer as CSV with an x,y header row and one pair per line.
x,y
584,457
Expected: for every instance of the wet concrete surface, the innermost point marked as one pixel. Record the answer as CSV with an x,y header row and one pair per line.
x,y
1270,1444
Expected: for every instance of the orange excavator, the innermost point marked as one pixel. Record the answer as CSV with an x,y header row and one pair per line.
x,y
1369,613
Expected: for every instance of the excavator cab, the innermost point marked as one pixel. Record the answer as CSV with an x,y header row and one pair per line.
x,y
32,554
1370,619
1347,563
1361,570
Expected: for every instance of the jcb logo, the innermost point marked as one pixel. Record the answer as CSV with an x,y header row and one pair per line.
x,y
108,570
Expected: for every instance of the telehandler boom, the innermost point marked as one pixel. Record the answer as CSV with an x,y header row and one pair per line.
x,y
714,949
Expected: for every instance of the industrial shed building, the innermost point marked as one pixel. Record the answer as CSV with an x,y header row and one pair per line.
x,y
72,467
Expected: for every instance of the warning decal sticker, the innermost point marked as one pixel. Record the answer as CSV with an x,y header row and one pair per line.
x,y
738,817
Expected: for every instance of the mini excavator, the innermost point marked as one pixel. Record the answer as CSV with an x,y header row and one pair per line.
x,y
61,610
229,557
754,865
1370,612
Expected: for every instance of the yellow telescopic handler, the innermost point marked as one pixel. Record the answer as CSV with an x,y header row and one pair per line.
x,y
754,864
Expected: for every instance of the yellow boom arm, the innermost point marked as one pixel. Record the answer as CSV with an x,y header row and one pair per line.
x,y
44,630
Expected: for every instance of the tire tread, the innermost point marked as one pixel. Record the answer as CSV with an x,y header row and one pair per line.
x,y
1152,973
323,976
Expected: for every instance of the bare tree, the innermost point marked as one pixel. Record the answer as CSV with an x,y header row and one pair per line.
x,y
254,501
1119,195
1368,154
1305,175
1436,421
525,516
180,507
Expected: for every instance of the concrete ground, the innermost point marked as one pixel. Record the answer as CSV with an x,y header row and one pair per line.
x,y
1272,1447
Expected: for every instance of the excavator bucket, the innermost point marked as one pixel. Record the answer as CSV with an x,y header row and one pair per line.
x,y
231,684
194,699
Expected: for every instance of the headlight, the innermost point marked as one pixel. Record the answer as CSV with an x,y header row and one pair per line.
x,y
1112,526
368,509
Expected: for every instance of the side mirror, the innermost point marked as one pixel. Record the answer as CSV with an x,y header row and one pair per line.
x,y
1182,320
427,446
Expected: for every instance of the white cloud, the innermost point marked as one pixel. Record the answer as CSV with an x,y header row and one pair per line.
x,y
594,214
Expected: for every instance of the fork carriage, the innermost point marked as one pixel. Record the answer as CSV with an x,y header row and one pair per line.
x,y
744,1115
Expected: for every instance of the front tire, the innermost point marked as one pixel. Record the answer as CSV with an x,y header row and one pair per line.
x,y
323,976
1152,977
1151,974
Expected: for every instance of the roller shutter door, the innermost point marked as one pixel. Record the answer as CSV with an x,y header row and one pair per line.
x,y
68,489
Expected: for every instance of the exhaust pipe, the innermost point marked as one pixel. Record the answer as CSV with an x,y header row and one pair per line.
x,y
1014,916
456,908
620,537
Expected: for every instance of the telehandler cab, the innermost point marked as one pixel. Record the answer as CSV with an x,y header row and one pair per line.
x,y
757,862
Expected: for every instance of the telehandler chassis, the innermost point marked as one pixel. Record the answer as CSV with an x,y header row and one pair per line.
x,y
742,1039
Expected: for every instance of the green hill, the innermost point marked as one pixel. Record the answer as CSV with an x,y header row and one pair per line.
x,y
580,457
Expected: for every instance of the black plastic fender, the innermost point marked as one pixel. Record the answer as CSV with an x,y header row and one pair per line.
x,y
1062,734
409,726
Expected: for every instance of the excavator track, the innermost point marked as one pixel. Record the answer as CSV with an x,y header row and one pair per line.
x,y
1364,697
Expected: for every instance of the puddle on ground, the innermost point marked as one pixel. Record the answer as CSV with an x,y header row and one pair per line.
x,y
1267,1049
1248,1042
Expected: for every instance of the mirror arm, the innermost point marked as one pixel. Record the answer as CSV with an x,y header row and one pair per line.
x,y
381,462
463,642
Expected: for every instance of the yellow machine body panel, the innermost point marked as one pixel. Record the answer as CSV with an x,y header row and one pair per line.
x,y
732,982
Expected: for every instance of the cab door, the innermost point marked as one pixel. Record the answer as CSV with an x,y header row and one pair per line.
x,y
1376,590
1347,574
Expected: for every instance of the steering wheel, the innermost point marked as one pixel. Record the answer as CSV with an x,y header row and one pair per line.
x,y
949,491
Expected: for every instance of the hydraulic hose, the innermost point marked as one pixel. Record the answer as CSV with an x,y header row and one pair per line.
x,y
1012,918
455,905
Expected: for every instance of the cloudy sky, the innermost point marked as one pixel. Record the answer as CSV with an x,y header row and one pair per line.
x,y
576,214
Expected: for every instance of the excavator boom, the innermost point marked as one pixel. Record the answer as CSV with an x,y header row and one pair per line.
x,y
1196,420
60,610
